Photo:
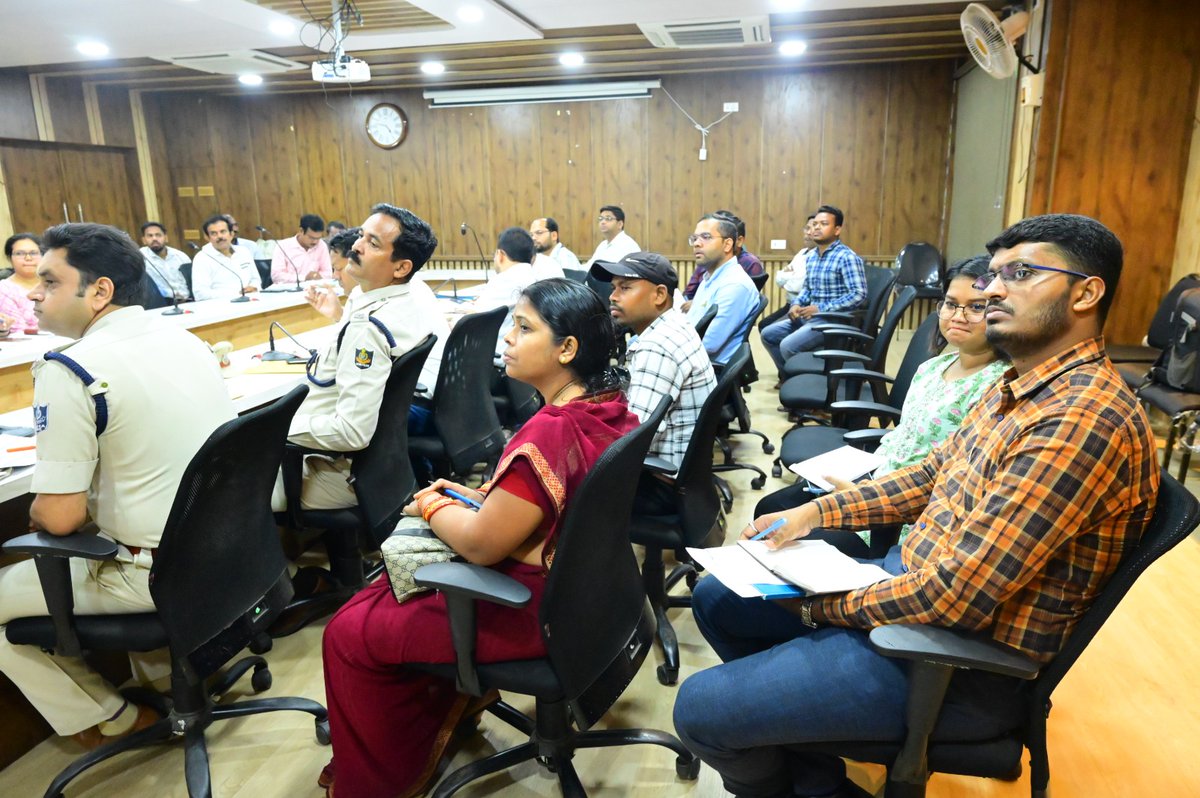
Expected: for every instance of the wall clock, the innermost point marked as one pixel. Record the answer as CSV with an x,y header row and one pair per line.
x,y
387,125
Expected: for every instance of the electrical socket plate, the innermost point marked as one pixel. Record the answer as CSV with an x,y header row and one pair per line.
x,y
730,108
778,243
704,153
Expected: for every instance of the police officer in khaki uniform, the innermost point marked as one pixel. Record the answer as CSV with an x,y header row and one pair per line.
x,y
119,415
347,380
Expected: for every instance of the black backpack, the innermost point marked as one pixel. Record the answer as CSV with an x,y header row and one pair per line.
x,y
1179,364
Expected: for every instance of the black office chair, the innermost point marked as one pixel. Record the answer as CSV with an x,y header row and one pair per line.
x,y
936,653
516,402
464,415
264,271
152,298
760,280
595,621
850,418
1134,359
578,275
603,288
706,319
880,282
697,520
920,265
736,411
383,481
218,580
186,271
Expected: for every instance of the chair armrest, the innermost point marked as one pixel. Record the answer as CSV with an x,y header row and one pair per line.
x,y
462,583
841,354
861,374
51,557
833,327
865,439
659,465
835,315
850,333
941,646
878,409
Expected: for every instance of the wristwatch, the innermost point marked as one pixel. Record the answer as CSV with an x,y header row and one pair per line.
x,y
806,614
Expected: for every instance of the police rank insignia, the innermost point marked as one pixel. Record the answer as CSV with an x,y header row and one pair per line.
x,y
363,358
40,414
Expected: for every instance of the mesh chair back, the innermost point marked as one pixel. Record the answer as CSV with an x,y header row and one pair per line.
x,y
920,349
920,265
578,275
523,401
760,280
594,600
463,411
905,296
1176,514
705,320
879,287
264,271
220,553
693,481
152,298
1159,334
382,472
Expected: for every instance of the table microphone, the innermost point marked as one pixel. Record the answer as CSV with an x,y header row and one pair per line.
x,y
230,269
174,310
272,353
279,247
487,267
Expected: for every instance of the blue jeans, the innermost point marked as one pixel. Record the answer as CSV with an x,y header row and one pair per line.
x,y
787,337
784,684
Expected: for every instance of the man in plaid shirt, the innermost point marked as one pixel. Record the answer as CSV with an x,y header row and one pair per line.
x,y
665,358
1019,520
834,280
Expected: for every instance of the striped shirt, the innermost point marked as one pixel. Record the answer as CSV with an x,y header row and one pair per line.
x,y
668,359
834,280
1021,517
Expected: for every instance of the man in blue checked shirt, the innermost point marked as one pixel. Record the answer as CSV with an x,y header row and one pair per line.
x,y
834,281
725,285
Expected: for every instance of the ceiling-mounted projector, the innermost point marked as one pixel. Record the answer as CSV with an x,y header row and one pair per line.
x,y
341,70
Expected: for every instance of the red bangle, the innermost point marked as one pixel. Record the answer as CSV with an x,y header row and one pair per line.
x,y
428,510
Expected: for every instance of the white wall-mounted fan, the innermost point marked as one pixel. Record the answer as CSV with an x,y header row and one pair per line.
x,y
991,40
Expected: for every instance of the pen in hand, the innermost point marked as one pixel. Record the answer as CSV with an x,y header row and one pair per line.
x,y
778,523
474,505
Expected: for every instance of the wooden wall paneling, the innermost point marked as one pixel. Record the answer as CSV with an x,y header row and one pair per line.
x,y
16,99
731,174
583,234
367,169
1187,242
559,198
415,184
514,164
853,150
319,151
116,115
35,189
914,180
67,110
98,188
276,165
793,130
674,171
461,146
228,128
160,166
618,151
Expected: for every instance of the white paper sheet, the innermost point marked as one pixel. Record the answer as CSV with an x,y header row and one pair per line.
x,y
845,463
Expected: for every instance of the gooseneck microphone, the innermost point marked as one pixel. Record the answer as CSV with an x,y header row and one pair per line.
x,y
272,353
279,246
230,269
174,310
487,267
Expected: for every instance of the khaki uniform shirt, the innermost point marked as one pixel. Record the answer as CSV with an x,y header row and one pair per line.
x,y
165,396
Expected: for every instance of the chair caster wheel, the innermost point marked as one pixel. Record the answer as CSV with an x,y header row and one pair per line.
x,y
667,676
727,506
758,482
768,448
777,471
687,768
323,732
547,763
691,579
260,680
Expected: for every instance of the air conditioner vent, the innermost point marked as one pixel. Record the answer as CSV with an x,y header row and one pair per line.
x,y
709,33
236,62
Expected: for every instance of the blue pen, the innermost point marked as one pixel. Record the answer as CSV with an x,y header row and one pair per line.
x,y
474,505
776,525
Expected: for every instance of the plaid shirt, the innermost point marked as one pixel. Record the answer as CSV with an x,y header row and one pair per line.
x,y
835,280
669,359
1021,516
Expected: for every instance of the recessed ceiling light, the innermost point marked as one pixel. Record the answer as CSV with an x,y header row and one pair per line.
x,y
93,49
792,47
433,67
281,27
250,80
571,59
469,14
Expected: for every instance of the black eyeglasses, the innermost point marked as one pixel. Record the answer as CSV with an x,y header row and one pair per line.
x,y
972,311
1018,272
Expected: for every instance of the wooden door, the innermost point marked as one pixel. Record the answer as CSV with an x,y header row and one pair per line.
x,y
99,189
35,187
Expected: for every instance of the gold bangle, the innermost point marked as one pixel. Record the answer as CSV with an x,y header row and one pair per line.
x,y
428,510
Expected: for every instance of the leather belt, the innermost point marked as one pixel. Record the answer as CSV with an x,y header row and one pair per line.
x,y
136,550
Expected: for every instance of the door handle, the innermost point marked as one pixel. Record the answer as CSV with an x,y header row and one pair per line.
x,y
79,207
66,216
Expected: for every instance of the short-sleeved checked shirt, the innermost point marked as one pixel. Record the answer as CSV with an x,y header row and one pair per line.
x,y
668,359
1021,516
834,280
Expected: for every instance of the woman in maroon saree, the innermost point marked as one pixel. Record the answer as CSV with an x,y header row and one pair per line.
x,y
390,725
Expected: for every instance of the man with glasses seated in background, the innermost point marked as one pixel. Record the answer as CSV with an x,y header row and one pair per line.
x,y
1020,518
725,285
615,243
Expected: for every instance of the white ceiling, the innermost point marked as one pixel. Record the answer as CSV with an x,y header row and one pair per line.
x,y
48,31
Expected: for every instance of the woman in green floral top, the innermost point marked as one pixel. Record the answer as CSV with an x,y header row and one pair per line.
x,y
943,388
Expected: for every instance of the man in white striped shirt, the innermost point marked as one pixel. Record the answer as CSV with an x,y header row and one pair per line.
x,y
665,358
